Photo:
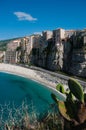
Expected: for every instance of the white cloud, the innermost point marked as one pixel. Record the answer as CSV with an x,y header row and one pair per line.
x,y
38,33
24,16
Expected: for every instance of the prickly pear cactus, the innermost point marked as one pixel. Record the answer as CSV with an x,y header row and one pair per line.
x,y
54,97
76,89
85,97
60,88
63,110
74,108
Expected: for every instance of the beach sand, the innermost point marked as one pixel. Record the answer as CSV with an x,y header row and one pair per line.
x,y
28,73
38,76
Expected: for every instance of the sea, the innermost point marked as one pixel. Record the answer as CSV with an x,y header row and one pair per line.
x,y
17,91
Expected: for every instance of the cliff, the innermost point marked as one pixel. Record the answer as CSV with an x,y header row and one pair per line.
x,y
75,55
78,62
48,56
70,57
55,53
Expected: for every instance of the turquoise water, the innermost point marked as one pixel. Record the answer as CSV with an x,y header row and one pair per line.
x,y
17,89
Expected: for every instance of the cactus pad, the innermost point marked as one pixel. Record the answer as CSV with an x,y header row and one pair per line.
x,y
76,89
60,88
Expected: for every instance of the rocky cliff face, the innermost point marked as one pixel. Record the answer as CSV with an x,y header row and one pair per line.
x,y
54,58
67,55
74,60
78,62
49,56
64,57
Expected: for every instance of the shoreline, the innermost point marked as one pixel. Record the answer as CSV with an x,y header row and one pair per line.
x,y
40,77
20,71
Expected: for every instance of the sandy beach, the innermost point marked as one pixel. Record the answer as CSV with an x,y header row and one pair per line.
x,y
28,73
41,77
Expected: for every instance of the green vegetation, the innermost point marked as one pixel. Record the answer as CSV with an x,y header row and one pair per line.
x,y
73,110
3,43
76,89
60,88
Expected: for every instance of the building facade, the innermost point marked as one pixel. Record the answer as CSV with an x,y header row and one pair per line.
x,y
58,36
11,52
10,57
47,35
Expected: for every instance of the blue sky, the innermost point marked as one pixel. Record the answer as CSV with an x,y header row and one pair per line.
x,y
24,17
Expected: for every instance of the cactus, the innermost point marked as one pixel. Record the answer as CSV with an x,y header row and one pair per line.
x,y
72,109
54,97
76,89
60,88
85,97
63,110
62,107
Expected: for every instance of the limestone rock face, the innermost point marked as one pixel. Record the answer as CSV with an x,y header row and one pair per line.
x,y
74,58
49,57
63,57
54,52
78,62
54,57
67,55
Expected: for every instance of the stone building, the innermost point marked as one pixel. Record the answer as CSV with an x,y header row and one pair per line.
x,y
58,36
28,47
11,52
47,35
10,57
69,33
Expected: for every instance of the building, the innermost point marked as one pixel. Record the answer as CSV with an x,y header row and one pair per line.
x,y
47,35
27,45
35,41
58,36
11,52
69,33
10,57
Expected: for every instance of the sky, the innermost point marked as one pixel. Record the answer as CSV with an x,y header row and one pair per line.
x,y
25,17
